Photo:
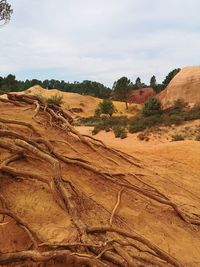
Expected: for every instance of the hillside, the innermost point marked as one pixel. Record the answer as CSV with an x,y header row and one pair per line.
x,y
88,104
185,85
69,200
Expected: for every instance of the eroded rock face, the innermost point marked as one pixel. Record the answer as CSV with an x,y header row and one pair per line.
x,y
141,95
185,85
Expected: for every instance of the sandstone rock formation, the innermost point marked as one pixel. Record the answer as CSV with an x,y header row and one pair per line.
x,y
141,95
185,85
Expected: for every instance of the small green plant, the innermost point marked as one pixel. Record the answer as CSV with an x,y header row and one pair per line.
x,y
96,130
55,100
119,132
41,98
105,107
123,135
178,106
97,112
152,107
178,137
138,126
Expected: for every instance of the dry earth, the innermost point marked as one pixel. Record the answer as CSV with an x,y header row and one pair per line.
x,y
153,221
87,103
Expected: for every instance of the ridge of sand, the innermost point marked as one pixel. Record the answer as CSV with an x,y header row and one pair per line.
x,y
87,103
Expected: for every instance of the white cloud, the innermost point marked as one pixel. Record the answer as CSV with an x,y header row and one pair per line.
x,y
99,40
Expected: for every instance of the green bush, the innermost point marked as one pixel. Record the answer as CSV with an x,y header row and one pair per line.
x,y
96,129
55,100
123,135
137,126
175,119
97,112
105,107
152,107
141,123
119,132
178,106
41,98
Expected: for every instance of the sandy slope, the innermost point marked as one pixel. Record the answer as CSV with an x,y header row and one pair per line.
x,y
180,158
87,103
173,168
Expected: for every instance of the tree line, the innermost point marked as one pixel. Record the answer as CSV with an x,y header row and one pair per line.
x,y
96,89
120,90
123,87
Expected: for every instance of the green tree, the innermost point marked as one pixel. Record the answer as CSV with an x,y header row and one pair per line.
x,y
122,89
152,107
170,76
138,82
153,82
9,84
106,107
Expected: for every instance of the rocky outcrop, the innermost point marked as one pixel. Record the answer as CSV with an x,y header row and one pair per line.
x,y
139,96
185,85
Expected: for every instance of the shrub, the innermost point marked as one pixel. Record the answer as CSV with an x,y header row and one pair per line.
x,y
97,112
123,135
105,107
119,132
96,129
178,106
41,98
141,123
176,119
136,126
177,137
152,107
55,100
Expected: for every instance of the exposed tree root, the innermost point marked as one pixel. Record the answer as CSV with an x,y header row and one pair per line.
x,y
4,100
165,256
30,126
37,108
71,259
130,159
65,118
153,193
66,143
116,206
109,243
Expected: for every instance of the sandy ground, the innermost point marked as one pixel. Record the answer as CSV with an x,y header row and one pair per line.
x,y
157,139
171,167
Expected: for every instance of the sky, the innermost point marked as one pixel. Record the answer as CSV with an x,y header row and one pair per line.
x,y
99,40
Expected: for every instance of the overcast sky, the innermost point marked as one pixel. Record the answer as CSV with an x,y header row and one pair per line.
x,y
100,40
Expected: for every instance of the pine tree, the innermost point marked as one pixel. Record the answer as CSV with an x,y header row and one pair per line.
x,y
122,89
